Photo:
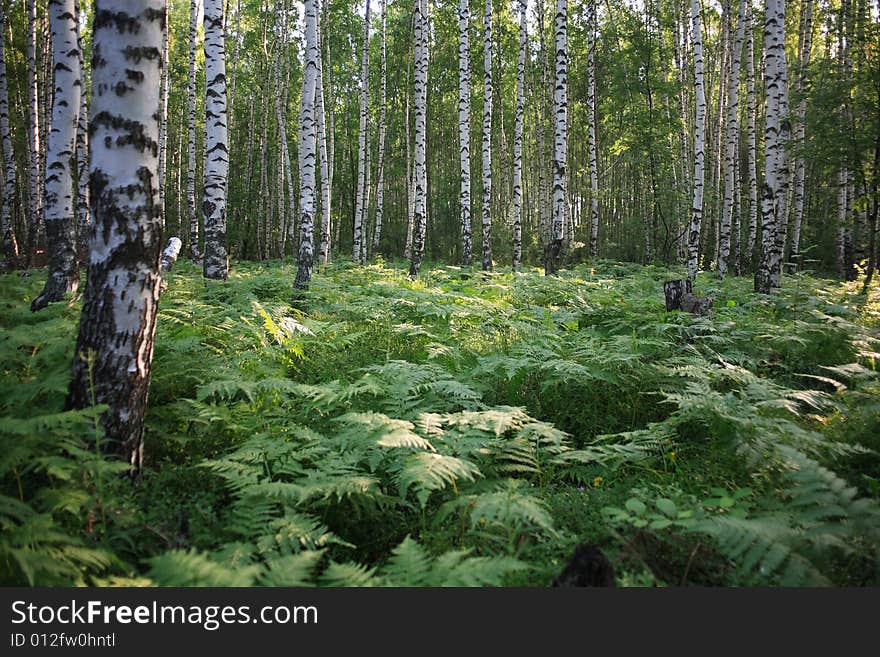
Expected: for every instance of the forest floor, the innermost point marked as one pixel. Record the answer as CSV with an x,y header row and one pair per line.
x,y
465,428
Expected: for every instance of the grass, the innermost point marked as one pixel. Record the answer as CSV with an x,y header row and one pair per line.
x,y
463,428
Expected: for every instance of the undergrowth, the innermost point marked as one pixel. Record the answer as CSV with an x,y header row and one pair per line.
x,y
461,429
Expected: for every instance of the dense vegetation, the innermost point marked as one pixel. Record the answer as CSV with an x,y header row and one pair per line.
x,y
463,428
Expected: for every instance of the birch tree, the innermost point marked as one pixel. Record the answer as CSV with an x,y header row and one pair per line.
x,y
308,148
560,138
360,211
114,347
10,244
464,126
487,136
63,276
420,103
326,175
732,140
194,251
518,138
699,144
771,256
806,44
591,127
83,210
751,134
380,166
216,261
35,196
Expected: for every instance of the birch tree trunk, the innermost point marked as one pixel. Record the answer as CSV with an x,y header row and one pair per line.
x,y
308,148
420,102
771,256
35,222
216,260
591,127
518,138
360,211
487,137
10,244
732,140
194,251
806,44
560,138
83,211
63,275
326,176
380,167
285,172
751,136
464,126
114,348
699,145
163,102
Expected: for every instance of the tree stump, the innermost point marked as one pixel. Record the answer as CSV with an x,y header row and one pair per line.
x,y
675,290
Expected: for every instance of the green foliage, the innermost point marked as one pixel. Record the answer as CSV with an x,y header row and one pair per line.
x,y
455,430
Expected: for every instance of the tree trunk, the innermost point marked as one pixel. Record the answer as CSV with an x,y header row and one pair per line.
x,y
518,138
806,43
114,348
163,101
216,260
169,254
326,176
194,251
464,127
699,145
7,233
420,102
308,148
380,167
751,136
487,137
35,221
360,211
83,211
591,127
63,276
560,131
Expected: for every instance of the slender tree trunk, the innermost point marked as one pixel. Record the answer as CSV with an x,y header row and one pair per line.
x,y
380,167
420,102
730,150
83,210
360,212
410,175
114,348
308,148
326,176
487,137
194,251
10,244
751,136
35,223
464,126
63,275
591,127
771,256
518,138
699,145
216,260
806,44
560,131
164,92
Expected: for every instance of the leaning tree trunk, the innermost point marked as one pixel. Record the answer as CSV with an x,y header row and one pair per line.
x,y
699,145
732,141
114,348
194,251
518,138
591,127
771,256
63,277
308,149
35,197
10,244
487,137
464,127
560,139
420,102
360,211
380,166
751,136
216,260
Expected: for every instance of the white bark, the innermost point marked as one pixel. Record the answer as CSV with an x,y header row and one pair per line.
x,y
732,141
7,234
216,260
194,251
801,111
360,211
518,138
560,137
591,127
751,136
63,275
699,145
380,181
164,92
487,137
326,177
308,148
420,102
35,223
83,209
169,254
464,126
114,349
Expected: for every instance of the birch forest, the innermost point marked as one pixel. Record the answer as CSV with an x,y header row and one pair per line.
x,y
439,292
